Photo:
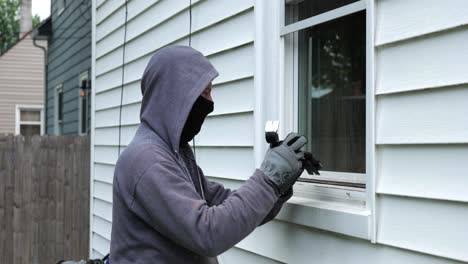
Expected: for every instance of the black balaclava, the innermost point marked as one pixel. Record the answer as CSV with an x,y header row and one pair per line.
x,y
200,109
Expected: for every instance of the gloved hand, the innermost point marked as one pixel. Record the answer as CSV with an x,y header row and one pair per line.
x,y
283,163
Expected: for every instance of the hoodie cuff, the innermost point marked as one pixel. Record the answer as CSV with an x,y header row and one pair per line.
x,y
270,183
286,196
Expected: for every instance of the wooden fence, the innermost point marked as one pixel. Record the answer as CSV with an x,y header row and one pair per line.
x,y
44,199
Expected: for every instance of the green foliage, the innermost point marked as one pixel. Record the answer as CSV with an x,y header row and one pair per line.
x,y
36,20
9,23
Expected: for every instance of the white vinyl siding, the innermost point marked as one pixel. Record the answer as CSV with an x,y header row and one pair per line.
x,y
224,32
420,122
421,126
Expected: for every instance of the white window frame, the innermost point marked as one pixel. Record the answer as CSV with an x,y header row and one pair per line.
x,y
18,121
340,209
60,8
83,76
291,84
58,124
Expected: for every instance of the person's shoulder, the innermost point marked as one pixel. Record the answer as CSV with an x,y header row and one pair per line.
x,y
137,158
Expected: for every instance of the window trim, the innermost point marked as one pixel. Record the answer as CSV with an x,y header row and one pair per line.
x,y
60,9
83,76
18,121
336,217
57,122
321,18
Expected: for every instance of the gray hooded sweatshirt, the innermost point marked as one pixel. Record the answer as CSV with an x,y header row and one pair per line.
x,y
159,214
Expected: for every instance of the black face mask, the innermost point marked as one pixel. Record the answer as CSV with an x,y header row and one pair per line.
x,y
200,109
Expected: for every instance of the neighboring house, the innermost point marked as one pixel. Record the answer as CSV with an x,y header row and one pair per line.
x,y
69,63
379,87
22,83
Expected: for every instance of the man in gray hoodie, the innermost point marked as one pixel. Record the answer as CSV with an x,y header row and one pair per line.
x,y
164,209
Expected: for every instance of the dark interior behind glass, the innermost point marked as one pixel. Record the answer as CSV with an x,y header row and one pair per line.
x,y
332,91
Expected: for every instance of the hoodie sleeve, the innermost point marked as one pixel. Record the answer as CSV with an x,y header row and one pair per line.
x,y
166,200
216,194
278,205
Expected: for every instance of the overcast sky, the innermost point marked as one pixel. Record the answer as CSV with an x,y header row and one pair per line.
x,y
41,7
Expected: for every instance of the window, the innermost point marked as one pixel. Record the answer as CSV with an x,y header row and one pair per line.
x,y
29,120
84,103
60,6
58,110
304,9
325,65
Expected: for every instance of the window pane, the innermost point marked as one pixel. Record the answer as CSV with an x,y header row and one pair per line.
x,y
332,92
84,116
30,130
60,106
297,10
84,84
30,115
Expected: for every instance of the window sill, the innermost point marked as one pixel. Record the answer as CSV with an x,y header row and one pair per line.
x,y
339,210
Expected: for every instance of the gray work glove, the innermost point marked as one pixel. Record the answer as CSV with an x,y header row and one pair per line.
x,y
283,163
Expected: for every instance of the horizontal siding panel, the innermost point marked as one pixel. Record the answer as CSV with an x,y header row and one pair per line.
x,y
109,80
96,255
107,8
138,12
110,61
227,130
236,255
428,226
102,227
427,62
116,19
100,244
208,41
230,97
168,11
233,97
102,209
432,116
109,136
111,98
429,171
106,155
224,62
110,42
104,173
225,162
100,2
103,191
403,19
204,14
297,244
234,64
111,117
110,23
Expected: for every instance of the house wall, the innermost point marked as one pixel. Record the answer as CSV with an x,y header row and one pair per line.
x,y
21,80
69,56
420,119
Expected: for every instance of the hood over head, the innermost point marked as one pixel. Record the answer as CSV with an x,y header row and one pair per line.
x,y
172,81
